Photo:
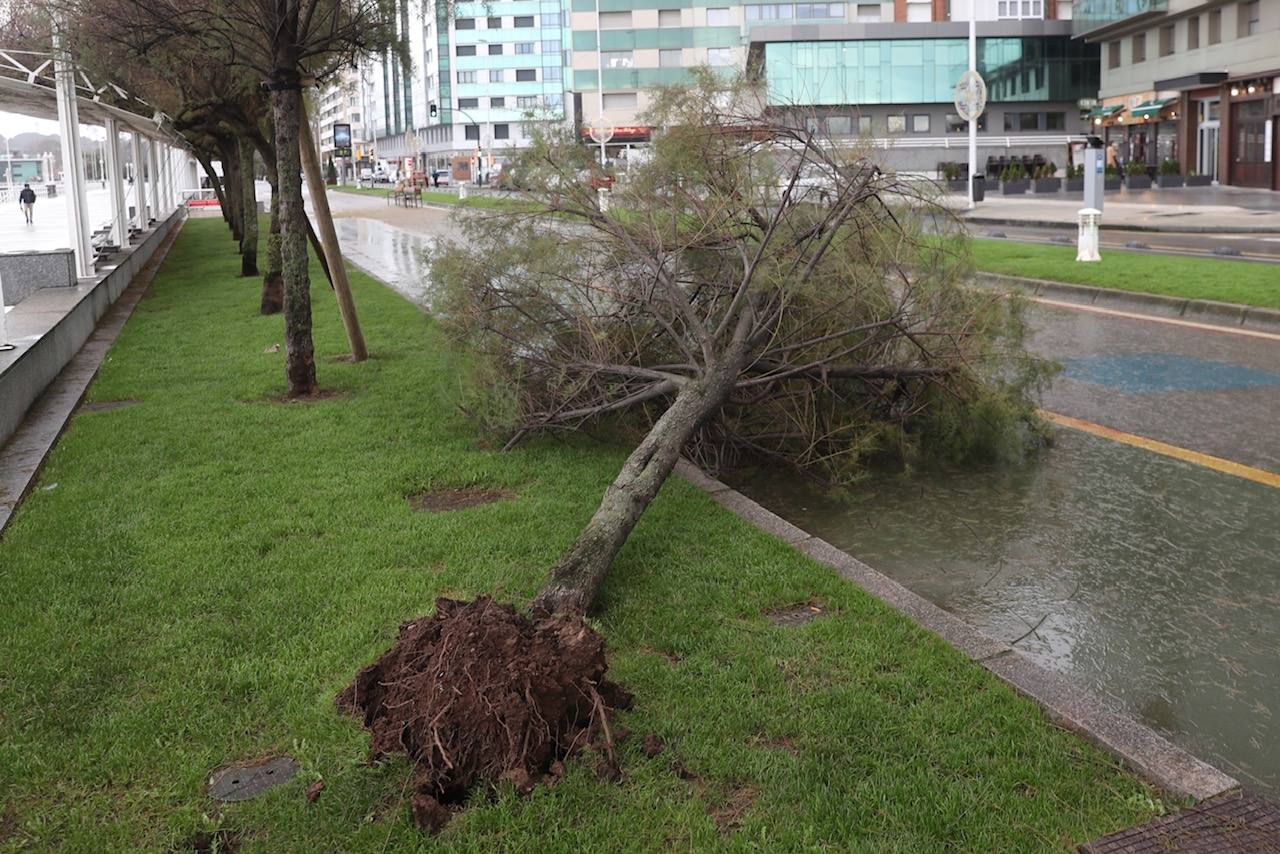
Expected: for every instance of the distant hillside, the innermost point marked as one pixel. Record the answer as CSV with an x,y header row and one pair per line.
x,y
35,144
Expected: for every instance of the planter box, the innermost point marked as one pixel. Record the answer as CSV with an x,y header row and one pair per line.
x,y
1014,188
1046,185
1199,180
1138,182
958,186
1075,185
1110,184
1170,182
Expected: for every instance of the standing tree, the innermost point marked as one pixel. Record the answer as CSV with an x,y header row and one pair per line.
x,y
750,289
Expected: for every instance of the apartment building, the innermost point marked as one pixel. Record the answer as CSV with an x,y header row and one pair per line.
x,y
341,102
478,83
879,70
1192,81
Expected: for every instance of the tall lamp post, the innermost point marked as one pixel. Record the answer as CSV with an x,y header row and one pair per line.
x,y
971,98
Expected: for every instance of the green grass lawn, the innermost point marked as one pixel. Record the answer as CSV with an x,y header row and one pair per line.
x,y
1192,278
198,575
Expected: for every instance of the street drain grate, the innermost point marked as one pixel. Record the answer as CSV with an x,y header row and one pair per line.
x,y
1233,823
1226,250
1137,244
242,782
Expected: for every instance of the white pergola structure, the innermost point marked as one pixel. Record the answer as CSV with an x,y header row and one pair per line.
x,y
49,85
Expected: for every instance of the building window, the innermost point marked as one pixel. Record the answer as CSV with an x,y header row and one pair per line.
x,y
1166,40
617,59
920,123
522,21
917,12
668,17
494,23
719,17
1215,26
719,56
464,24
955,124
553,73
620,100
497,103
502,131
864,125
495,75
897,124
1249,18
1055,121
1064,10
466,77
526,102
555,100
495,50
840,126
670,58
1193,32
524,47
1113,54
868,13
550,47
1014,9
468,103
551,19
471,132
1139,47
615,20
526,75
466,50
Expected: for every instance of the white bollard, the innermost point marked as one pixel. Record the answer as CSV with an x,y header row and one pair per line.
x,y
603,194
4,335
462,191
1087,242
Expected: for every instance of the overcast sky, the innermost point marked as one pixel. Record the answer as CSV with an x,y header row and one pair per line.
x,y
12,124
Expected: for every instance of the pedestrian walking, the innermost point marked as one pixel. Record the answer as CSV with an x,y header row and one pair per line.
x,y
27,201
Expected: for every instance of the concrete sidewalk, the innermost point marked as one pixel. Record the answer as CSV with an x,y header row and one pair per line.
x,y
1214,210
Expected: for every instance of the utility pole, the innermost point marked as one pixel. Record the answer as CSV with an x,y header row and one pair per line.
x,y
973,120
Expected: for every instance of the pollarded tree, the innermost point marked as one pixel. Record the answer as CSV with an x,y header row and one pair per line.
x,y
752,290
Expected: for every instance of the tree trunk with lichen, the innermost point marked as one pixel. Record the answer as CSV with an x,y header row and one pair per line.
x,y
229,154
249,205
576,580
272,281
300,362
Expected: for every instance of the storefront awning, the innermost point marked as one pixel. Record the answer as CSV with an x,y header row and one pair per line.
x,y
1105,112
1151,109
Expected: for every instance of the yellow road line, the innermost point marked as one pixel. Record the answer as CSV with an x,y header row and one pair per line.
x,y
1173,321
1194,457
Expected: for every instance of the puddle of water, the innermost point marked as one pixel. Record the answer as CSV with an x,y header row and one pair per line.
x,y
1147,579
391,254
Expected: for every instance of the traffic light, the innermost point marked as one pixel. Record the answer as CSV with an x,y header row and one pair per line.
x,y
433,109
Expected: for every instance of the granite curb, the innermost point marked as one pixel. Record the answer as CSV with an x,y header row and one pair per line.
x,y
1120,226
1225,314
1141,748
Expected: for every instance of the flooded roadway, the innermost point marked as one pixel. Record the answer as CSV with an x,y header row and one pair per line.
x,y
1149,579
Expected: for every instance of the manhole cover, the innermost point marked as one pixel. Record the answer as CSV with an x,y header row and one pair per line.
x,y
1226,250
1061,238
996,234
241,782
1137,244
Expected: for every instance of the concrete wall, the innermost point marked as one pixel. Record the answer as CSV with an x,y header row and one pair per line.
x,y
23,273
26,373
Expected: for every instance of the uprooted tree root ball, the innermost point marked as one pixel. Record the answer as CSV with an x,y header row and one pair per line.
x,y
479,693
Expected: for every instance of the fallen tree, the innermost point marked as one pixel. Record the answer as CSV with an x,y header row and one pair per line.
x,y
751,289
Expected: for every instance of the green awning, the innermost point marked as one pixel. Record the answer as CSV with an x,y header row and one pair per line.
x,y
1105,112
1151,109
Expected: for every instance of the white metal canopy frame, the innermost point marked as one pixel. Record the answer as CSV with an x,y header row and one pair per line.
x,y
50,85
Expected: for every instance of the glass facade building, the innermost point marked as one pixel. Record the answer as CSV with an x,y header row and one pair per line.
x,y
924,71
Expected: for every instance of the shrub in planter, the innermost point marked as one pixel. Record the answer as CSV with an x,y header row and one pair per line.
x,y
1075,178
1170,174
1046,179
1136,176
1013,181
951,173
1195,179
1110,178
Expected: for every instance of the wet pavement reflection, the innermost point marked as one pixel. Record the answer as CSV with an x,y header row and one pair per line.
x,y
393,255
1147,579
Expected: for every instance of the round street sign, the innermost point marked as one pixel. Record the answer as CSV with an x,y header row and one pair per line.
x,y
971,95
601,133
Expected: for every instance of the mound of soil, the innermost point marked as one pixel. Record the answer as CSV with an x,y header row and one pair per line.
x,y
479,693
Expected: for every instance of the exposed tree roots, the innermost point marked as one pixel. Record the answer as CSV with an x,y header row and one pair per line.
x,y
479,693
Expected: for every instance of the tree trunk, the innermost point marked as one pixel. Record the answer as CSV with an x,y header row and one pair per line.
x,y
575,582
329,242
249,245
299,361
272,282
215,182
234,189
